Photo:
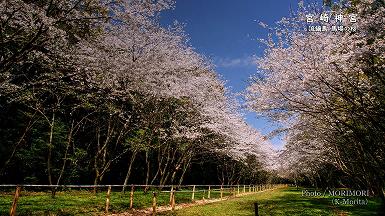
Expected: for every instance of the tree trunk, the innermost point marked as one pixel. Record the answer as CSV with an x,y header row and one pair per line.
x,y
49,156
69,140
147,171
131,162
50,149
96,182
185,167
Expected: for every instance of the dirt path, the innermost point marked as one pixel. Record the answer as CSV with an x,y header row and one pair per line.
x,y
148,211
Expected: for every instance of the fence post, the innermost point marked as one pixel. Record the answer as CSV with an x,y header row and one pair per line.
x,y
238,190
15,200
108,199
249,188
244,188
173,201
234,192
204,193
153,203
221,191
193,194
171,192
208,193
132,196
256,209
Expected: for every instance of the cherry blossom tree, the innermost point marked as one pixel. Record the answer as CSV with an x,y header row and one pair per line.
x,y
35,37
324,87
159,62
99,82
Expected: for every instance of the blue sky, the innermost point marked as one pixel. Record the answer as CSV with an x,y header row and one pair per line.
x,y
226,31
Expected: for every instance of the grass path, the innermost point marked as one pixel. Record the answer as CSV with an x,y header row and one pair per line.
x,y
286,201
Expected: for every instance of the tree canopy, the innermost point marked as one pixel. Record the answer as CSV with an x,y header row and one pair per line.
x,y
98,91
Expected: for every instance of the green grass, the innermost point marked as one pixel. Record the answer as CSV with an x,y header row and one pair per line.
x,y
287,201
84,202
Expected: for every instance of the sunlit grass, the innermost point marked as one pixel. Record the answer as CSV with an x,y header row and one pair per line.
x,y
287,201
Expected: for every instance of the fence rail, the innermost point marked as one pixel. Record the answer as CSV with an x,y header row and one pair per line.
x,y
106,196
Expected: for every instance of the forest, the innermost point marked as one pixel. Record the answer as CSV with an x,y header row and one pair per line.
x,y
99,92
